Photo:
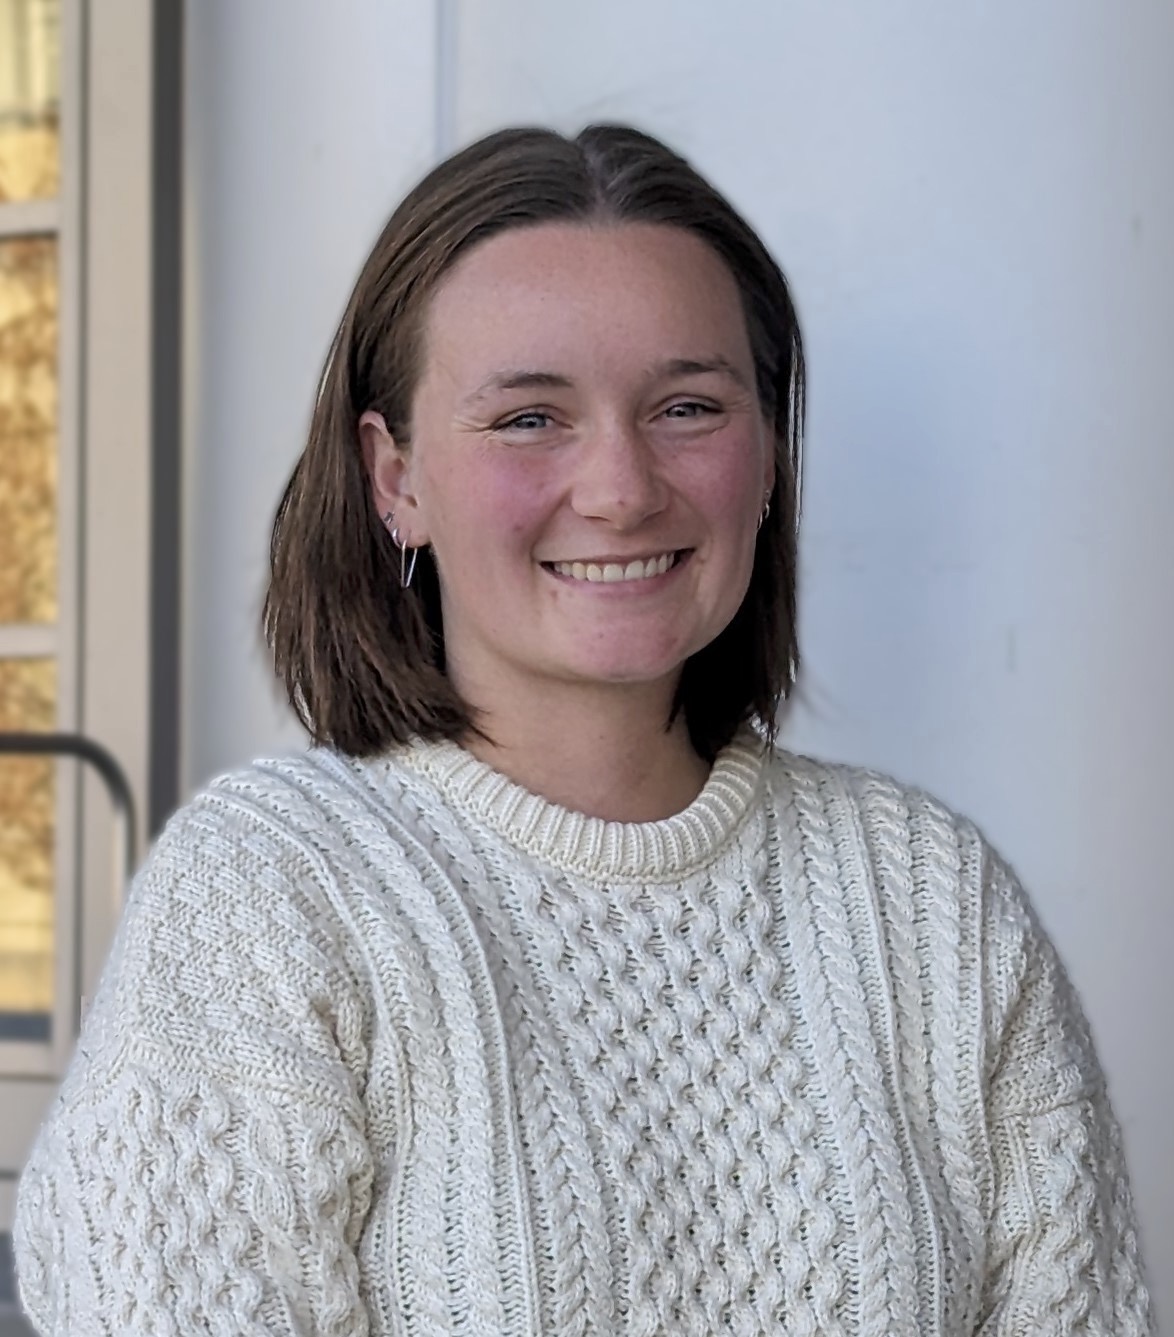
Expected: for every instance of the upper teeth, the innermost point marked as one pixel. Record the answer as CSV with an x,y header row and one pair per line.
x,y
641,569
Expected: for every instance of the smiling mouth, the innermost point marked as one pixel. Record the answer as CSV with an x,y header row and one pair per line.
x,y
609,573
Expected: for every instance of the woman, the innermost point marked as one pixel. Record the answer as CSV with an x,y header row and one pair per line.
x,y
544,995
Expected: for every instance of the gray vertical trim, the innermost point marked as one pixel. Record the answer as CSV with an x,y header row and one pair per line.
x,y
166,314
7,1271
81,130
445,111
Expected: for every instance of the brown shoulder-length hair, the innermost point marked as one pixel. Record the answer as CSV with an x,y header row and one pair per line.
x,y
362,659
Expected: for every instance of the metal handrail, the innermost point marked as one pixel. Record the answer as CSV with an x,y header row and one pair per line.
x,y
85,749
81,748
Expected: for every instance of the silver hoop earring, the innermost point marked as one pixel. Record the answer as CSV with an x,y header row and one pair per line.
x,y
407,568
762,517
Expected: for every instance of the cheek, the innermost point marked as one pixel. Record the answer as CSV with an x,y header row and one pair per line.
x,y
727,483
487,499
517,494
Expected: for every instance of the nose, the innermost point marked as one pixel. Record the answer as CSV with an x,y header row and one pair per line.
x,y
619,477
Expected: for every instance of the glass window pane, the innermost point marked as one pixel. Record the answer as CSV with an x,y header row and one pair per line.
x,y
28,429
30,82
28,690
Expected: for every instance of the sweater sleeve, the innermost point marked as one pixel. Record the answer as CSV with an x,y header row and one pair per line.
x,y
204,1168
1062,1240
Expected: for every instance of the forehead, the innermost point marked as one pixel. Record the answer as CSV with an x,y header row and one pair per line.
x,y
557,288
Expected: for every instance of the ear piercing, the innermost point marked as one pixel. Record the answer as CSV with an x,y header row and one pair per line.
x,y
407,567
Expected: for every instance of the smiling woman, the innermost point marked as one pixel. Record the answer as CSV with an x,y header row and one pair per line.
x,y
597,308
545,993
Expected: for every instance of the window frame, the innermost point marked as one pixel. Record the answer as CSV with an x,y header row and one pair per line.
x,y
116,640
61,219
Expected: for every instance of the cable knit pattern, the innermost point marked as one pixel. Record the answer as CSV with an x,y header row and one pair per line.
x,y
396,1047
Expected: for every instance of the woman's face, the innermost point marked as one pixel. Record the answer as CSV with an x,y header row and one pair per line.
x,y
588,458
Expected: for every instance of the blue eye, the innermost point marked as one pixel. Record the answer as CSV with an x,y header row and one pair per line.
x,y
530,421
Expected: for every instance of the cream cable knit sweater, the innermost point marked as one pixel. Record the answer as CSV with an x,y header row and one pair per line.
x,y
396,1047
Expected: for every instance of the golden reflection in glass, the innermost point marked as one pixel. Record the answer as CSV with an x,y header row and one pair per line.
x,y
28,429
28,689
27,702
30,94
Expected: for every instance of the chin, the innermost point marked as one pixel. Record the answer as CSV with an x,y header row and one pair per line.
x,y
624,660
629,670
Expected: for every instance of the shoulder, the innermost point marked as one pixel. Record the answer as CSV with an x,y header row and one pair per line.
x,y
239,906
893,819
291,818
942,891
282,797
924,859
282,847
256,828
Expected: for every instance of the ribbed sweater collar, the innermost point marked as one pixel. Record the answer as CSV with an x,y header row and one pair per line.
x,y
593,847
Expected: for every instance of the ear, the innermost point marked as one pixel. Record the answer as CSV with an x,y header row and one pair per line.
x,y
389,473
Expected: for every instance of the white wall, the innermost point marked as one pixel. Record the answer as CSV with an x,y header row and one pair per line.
x,y
976,207
301,132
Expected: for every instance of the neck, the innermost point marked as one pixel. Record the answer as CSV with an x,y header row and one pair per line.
x,y
608,754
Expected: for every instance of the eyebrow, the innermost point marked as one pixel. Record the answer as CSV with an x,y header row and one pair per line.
x,y
526,379
519,380
687,366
